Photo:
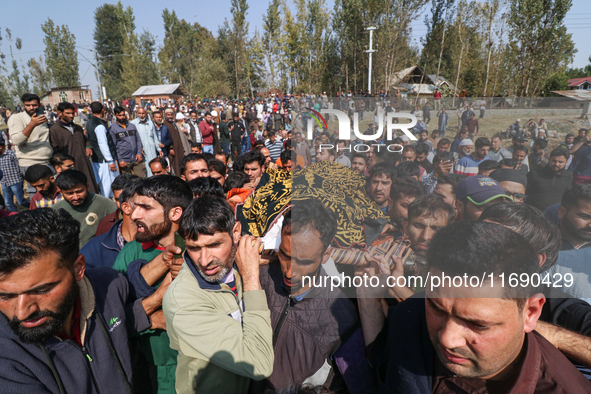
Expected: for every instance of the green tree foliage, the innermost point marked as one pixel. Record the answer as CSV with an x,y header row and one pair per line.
x,y
60,54
535,27
112,25
138,67
190,56
39,75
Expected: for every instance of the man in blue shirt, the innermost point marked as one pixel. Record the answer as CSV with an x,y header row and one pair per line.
x,y
128,144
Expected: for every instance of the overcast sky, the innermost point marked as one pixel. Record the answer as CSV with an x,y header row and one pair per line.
x,y
25,19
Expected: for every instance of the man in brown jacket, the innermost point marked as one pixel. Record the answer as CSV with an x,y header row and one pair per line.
x,y
176,153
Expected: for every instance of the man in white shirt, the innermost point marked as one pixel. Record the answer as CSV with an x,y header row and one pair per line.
x,y
103,150
150,142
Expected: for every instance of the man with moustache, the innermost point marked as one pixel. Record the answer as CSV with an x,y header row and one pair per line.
x,y
67,137
42,179
158,204
147,133
64,328
216,311
30,135
176,151
469,339
86,207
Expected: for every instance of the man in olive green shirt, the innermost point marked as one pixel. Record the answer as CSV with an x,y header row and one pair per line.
x,y
86,207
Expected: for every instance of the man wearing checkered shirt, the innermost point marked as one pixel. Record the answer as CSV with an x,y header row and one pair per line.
x,y
12,181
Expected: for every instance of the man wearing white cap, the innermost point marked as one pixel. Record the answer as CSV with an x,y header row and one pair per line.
x,y
468,165
183,132
465,148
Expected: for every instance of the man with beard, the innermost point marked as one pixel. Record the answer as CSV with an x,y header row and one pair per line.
x,y
104,161
216,311
403,191
470,339
468,165
359,163
86,207
207,130
30,135
426,215
193,166
67,137
297,307
41,178
176,151
575,217
128,144
102,250
380,183
158,204
546,185
64,329
147,133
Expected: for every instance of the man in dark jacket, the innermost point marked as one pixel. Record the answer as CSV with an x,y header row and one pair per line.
x,y
321,324
128,144
176,152
104,159
545,185
64,329
462,341
102,250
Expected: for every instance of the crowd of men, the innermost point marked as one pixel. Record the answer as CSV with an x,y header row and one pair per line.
x,y
128,271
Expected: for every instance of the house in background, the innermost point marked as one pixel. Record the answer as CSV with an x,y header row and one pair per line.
x,y
413,81
159,93
580,83
70,94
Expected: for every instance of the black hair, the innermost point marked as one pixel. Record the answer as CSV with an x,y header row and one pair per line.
x,y
574,194
163,162
270,133
206,215
359,155
521,148
510,162
408,169
542,143
217,166
30,234
451,179
36,172
488,165
61,107
121,180
235,180
224,153
58,159
479,248
118,109
380,169
431,205
560,151
288,155
96,107
208,156
71,178
206,186
196,145
421,148
481,142
531,224
311,214
257,146
443,141
250,157
128,190
288,144
168,190
190,158
406,185
30,97
223,116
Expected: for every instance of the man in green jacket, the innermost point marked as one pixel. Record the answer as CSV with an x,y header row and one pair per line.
x,y
224,134
158,203
216,311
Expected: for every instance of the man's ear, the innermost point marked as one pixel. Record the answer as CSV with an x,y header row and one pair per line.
x,y
183,178
532,311
79,267
326,255
52,179
561,212
237,232
542,258
175,214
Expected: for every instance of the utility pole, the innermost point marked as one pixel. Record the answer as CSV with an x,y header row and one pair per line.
x,y
370,51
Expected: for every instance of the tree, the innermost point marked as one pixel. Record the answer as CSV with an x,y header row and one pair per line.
x,y
39,75
138,67
60,54
432,53
535,26
271,42
237,34
112,23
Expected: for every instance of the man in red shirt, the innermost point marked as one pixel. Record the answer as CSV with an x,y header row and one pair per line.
x,y
206,129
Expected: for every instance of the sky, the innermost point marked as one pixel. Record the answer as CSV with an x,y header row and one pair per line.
x,y
25,20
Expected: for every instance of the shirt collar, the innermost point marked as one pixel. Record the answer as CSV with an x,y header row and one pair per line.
x,y
151,244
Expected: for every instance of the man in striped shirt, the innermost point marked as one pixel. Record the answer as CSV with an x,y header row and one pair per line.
x,y
468,165
274,146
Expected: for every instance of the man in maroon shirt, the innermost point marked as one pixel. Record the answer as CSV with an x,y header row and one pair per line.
x,y
207,130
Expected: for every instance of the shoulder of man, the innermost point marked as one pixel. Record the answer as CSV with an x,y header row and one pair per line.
x,y
132,251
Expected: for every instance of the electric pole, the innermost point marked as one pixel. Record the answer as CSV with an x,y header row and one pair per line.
x,y
370,51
